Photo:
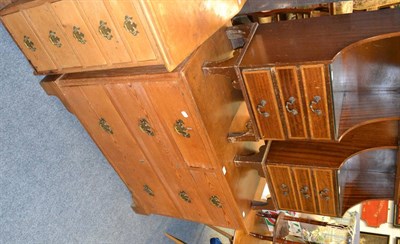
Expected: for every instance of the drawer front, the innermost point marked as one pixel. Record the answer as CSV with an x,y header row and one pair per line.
x,y
316,98
78,33
179,118
96,112
107,34
264,104
214,200
305,189
42,19
28,42
283,186
326,190
291,102
141,119
133,27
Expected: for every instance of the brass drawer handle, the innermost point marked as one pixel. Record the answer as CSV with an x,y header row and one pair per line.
x,y
215,201
130,26
260,106
148,190
78,35
144,126
104,30
106,127
315,101
185,197
324,194
291,102
54,39
29,44
180,128
304,191
285,189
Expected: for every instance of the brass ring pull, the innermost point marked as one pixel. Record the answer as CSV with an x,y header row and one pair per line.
x,y
285,189
104,30
105,126
304,190
29,44
148,190
144,126
260,106
130,26
324,194
215,201
291,102
315,101
180,128
54,39
185,197
78,35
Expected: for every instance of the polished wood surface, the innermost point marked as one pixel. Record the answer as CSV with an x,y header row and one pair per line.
x,y
325,185
283,185
305,189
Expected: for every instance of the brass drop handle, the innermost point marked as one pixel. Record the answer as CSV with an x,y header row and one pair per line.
x,y
180,128
54,39
184,196
78,35
260,106
315,101
324,194
290,102
148,190
104,30
215,201
130,26
285,189
29,44
105,126
145,127
304,191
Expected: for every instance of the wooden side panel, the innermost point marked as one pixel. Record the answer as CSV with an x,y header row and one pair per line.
x,y
291,102
326,190
133,105
20,30
168,98
210,191
305,189
316,98
95,111
111,44
141,42
264,104
44,22
283,186
69,16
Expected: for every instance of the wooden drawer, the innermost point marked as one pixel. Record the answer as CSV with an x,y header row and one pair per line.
x,y
284,189
305,189
94,35
325,180
96,112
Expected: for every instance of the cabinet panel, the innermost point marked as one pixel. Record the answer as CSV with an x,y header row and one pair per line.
x,y
44,22
291,102
326,190
264,103
316,98
305,189
283,186
107,34
95,111
28,41
169,101
78,33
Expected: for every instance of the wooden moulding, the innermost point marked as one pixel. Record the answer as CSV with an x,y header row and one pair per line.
x,y
241,128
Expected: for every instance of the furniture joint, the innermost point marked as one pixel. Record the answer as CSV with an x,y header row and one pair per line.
x,y
247,135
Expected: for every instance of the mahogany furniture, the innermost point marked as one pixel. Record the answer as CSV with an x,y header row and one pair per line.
x,y
73,36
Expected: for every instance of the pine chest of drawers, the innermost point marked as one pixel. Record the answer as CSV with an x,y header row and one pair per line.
x,y
72,36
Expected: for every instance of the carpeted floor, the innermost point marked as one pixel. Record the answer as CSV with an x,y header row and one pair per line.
x,y
55,185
